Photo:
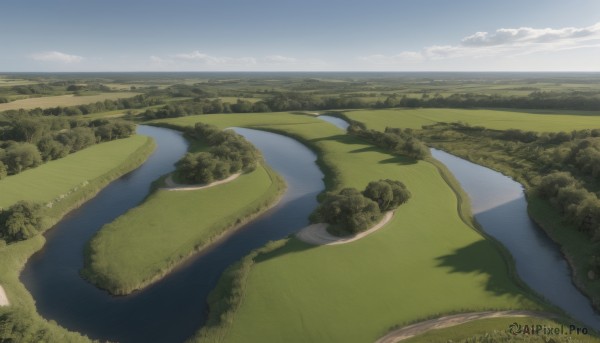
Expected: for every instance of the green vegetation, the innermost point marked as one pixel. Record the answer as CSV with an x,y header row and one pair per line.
x,y
229,153
20,221
54,181
137,249
27,141
62,101
350,211
451,266
496,331
540,121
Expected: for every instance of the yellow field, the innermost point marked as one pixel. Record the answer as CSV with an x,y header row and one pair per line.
x,y
62,100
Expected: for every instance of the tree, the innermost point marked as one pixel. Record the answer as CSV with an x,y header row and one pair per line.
x,y
3,170
348,212
20,221
388,194
21,156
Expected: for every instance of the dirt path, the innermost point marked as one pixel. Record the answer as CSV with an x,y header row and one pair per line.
x,y
173,186
317,233
453,320
3,297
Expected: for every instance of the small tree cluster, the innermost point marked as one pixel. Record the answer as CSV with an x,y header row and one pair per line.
x,y
396,141
20,221
229,153
351,211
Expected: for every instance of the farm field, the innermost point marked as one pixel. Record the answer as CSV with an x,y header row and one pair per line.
x,y
54,179
62,100
530,120
452,267
135,249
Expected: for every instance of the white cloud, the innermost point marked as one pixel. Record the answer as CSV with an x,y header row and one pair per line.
x,y
500,43
197,60
202,58
280,59
55,56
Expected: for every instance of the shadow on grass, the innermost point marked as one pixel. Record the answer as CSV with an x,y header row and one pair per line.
x,y
403,160
479,258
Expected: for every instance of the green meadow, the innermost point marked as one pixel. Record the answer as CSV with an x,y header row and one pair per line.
x,y
145,243
530,120
425,262
54,180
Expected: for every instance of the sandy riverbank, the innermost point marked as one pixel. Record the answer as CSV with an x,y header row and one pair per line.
x,y
317,233
3,297
174,186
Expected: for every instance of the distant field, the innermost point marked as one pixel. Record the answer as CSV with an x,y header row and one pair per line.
x,y
493,119
62,100
135,249
356,292
55,178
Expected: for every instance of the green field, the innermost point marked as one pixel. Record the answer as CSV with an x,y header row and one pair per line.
x,y
56,179
62,100
494,119
146,242
425,262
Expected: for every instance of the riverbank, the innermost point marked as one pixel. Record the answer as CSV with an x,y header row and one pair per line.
x,y
317,234
135,250
115,159
171,185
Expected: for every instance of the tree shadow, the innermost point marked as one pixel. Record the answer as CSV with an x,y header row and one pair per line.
x,y
482,257
402,160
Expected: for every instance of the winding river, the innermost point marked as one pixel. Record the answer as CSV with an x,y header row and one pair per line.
x,y
500,207
174,308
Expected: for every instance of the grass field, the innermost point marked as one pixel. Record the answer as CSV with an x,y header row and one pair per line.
x,y
493,119
62,100
135,249
54,179
425,262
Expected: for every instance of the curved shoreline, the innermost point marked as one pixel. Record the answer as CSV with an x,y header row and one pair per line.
x,y
171,185
317,234
3,298
412,330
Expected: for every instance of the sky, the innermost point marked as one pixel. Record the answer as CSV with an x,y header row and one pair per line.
x,y
301,35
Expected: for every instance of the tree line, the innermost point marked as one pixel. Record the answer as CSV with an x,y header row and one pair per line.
x,y
27,142
138,101
229,153
350,211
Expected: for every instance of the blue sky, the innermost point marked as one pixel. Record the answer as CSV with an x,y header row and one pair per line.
x,y
282,35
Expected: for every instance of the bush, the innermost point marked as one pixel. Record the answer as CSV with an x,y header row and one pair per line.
x,y
388,194
229,153
348,211
20,221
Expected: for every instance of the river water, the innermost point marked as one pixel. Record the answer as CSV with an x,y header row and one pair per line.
x,y
174,308
500,207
